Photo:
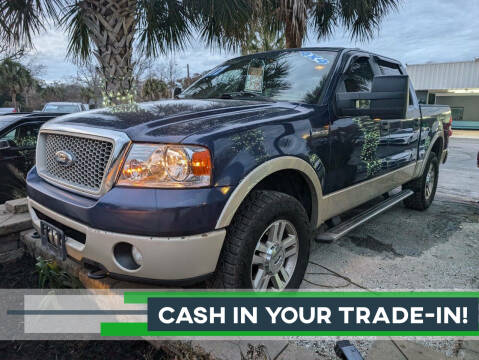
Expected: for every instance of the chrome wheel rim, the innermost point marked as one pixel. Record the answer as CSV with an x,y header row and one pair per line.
x,y
275,256
430,180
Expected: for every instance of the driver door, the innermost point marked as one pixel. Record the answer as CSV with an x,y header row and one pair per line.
x,y
358,143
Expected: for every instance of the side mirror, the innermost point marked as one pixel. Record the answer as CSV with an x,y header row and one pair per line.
x,y
388,99
7,144
176,92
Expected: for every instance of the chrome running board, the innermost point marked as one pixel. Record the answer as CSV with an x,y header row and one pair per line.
x,y
343,228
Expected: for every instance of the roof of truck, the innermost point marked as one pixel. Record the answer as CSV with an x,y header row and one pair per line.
x,y
337,49
63,103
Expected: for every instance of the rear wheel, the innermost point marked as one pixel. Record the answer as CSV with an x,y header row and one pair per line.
x,y
267,244
425,186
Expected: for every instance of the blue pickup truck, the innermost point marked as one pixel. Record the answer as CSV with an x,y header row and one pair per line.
x,y
232,180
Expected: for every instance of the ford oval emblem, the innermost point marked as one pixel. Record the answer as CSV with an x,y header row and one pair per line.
x,y
64,158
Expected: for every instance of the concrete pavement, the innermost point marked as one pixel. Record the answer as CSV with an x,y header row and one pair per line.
x,y
459,177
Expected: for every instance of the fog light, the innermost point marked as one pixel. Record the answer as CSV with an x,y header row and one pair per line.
x,y
137,257
127,256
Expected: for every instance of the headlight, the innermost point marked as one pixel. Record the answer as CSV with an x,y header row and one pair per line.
x,y
166,166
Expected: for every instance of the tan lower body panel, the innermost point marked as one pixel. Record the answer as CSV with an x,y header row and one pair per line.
x,y
347,199
167,258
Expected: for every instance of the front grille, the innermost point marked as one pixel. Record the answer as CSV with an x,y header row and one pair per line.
x,y
91,159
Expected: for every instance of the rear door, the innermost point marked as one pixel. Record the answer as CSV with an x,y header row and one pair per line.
x,y
400,147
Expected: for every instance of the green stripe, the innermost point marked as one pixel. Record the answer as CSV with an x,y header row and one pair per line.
x,y
142,297
140,329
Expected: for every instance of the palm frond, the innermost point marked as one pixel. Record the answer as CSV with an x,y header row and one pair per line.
x,y
221,23
22,19
162,26
74,20
324,17
362,17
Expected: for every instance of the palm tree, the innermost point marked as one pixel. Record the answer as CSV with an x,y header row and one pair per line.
x,y
108,29
16,78
360,17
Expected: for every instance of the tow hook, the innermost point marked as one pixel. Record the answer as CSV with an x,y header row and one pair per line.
x,y
98,274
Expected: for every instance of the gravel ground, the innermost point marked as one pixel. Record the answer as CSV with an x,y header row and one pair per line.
x,y
404,249
401,250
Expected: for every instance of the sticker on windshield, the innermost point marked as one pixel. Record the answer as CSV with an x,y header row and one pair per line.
x,y
254,79
314,57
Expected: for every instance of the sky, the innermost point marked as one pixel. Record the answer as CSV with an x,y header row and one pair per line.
x,y
420,31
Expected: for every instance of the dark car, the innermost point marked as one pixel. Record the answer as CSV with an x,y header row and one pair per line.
x,y
231,181
18,140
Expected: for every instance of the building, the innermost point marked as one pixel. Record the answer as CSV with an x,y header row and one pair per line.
x,y
455,84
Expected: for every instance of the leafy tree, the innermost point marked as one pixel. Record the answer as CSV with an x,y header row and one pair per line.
x,y
361,18
154,89
15,78
108,29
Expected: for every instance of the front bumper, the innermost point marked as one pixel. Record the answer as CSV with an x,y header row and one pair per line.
x,y
164,258
138,211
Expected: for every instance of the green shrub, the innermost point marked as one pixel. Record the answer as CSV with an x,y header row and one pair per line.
x,y
53,277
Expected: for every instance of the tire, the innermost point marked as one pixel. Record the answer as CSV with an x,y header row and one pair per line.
x,y
424,187
256,220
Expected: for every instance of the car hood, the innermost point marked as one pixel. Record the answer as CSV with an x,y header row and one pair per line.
x,y
167,120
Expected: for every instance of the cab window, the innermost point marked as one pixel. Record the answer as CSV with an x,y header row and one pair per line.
x,y
358,77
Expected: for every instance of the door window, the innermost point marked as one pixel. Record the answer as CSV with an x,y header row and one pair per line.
x,y
421,96
359,77
24,135
388,68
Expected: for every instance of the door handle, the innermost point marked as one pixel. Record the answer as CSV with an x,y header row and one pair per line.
x,y
385,125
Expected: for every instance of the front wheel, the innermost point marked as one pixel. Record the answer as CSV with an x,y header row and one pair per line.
x,y
267,244
425,186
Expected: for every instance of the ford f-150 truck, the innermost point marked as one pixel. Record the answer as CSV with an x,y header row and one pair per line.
x,y
233,179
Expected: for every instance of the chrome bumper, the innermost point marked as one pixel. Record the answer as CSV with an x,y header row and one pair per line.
x,y
167,258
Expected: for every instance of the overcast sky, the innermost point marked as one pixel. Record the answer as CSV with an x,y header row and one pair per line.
x,y
421,31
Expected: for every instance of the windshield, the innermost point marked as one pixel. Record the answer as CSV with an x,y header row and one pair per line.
x,y
7,120
61,108
295,76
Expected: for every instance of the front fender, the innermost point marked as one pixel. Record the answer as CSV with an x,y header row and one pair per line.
x,y
260,173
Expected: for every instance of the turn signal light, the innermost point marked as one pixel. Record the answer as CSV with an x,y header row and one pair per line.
x,y
201,163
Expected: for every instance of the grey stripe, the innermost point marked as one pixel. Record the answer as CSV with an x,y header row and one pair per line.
x,y
77,312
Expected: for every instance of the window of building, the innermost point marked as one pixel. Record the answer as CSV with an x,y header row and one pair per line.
x,y
431,99
457,113
359,77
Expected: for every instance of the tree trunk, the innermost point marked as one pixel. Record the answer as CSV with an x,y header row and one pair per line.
x,y
14,99
291,40
112,24
295,26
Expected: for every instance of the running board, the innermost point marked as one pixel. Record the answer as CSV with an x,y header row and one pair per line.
x,y
343,228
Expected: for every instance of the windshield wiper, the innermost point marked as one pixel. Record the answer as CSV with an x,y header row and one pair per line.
x,y
236,94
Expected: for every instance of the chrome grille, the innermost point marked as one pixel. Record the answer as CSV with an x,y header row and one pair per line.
x,y
91,160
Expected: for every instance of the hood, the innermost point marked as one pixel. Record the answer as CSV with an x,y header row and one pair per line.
x,y
167,120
